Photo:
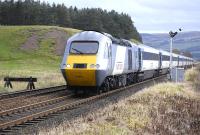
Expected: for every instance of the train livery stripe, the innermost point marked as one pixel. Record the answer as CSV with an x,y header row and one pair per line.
x,y
81,76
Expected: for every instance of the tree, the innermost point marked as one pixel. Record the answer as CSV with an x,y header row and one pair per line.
x,y
63,18
0,11
176,51
187,54
30,12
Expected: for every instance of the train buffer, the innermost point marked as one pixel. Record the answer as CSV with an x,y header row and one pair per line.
x,y
30,81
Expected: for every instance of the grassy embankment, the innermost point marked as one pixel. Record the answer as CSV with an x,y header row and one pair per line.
x,y
41,62
165,108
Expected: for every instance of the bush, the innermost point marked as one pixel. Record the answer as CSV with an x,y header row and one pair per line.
x,y
193,75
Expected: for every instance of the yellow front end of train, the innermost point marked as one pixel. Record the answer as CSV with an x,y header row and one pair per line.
x,y
79,70
79,63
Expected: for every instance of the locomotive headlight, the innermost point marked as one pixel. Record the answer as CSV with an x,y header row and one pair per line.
x,y
68,65
97,66
92,66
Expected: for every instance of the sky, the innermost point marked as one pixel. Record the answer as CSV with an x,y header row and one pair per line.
x,y
149,16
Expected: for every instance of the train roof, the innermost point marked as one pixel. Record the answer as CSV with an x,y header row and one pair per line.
x,y
175,55
164,52
97,35
89,36
148,49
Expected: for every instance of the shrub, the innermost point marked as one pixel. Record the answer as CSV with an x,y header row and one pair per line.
x,y
193,75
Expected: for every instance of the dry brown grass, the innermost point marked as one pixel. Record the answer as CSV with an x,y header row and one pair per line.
x,y
193,76
166,108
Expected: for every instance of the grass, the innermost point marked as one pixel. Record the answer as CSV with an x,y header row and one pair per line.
x,y
42,63
12,38
135,41
165,108
193,76
46,78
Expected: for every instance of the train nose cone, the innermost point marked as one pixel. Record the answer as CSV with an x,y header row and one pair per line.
x,y
81,77
78,72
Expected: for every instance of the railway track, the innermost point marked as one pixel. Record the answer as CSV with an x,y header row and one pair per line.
x,y
12,117
32,106
32,92
17,116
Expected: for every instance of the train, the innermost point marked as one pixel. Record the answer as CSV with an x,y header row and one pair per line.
x,y
98,61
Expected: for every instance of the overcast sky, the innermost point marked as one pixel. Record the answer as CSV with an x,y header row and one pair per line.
x,y
149,16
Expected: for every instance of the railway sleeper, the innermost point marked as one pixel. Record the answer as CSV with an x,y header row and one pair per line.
x,y
18,126
32,122
39,119
29,123
5,130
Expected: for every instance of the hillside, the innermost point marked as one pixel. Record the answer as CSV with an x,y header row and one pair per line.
x,y
32,51
25,46
184,41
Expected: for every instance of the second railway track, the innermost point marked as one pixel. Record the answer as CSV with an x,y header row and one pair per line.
x,y
32,92
32,106
25,114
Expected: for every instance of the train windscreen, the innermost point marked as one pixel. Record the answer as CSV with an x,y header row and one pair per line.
x,y
84,47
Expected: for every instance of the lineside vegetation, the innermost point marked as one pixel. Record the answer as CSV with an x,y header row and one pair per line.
x,y
193,77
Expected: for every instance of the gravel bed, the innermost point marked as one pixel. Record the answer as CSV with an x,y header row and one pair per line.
x,y
72,115
26,100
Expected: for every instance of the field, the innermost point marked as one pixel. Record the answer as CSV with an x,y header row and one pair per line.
x,y
32,51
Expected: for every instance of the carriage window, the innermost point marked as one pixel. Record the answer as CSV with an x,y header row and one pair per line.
x,y
129,59
150,56
109,51
106,52
165,58
84,47
136,54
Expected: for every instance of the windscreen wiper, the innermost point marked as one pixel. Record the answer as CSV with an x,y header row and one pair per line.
x,y
77,51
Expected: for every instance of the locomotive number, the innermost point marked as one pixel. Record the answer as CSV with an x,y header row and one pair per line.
x,y
119,66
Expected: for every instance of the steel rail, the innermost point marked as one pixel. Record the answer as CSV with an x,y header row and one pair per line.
x,y
32,106
32,92
56,109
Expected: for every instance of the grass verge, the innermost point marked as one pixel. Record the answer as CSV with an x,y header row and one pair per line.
x,y
193,77
46,78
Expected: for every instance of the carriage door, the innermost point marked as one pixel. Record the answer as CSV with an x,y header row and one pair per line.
x,y
178,61
129,59
109,57
140,58
160,60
